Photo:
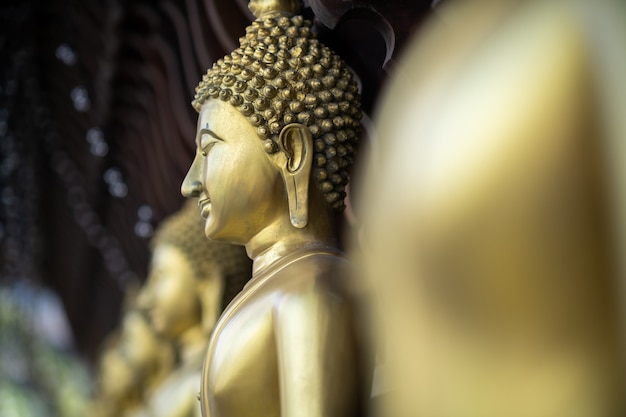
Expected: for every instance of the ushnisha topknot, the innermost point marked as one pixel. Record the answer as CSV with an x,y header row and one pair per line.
x,y
185,231
260,8
281,74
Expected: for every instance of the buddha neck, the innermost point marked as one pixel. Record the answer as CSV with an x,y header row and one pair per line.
x,y
281,238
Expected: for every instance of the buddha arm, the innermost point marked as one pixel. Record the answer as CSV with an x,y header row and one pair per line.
x,y
316,355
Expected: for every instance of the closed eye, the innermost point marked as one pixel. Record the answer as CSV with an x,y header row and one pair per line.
x,y
207,145
207,140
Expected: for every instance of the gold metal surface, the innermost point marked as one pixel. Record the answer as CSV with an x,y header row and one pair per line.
x,y
275,139
116,388
150,356
130,367
491,226
263,7
172,298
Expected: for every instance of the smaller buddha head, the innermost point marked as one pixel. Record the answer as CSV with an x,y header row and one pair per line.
x,y
190,276
279,113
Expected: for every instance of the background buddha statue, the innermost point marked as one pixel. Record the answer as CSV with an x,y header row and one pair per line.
x,y
190,281
116,391
276,135
134,361
151,357
495,214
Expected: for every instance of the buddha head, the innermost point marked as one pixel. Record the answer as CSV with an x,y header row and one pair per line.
x,y
191,278
277,128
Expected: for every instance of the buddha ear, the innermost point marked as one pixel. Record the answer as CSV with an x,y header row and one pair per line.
x,y
297,144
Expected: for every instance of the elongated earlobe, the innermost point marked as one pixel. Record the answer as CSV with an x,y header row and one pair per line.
x,y
297,144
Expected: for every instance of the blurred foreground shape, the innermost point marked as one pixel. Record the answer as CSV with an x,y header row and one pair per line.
x,y
495,213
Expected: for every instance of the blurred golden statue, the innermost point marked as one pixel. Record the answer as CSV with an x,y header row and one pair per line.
x,y
115,387
133,362
191,279
495,223
277,130
151,358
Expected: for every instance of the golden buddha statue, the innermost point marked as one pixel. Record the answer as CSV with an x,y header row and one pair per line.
x,y
132,363
151,357
277,129
499,265
191,278
117,392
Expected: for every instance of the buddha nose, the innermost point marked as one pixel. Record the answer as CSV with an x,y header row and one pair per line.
x,y
191,189
191,186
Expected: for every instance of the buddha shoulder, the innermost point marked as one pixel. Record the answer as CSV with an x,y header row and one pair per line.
x,y
318,274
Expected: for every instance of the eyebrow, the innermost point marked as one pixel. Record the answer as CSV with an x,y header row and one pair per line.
x,y
208,131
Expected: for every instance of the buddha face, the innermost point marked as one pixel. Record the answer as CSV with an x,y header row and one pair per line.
x,y
239,186
170,294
